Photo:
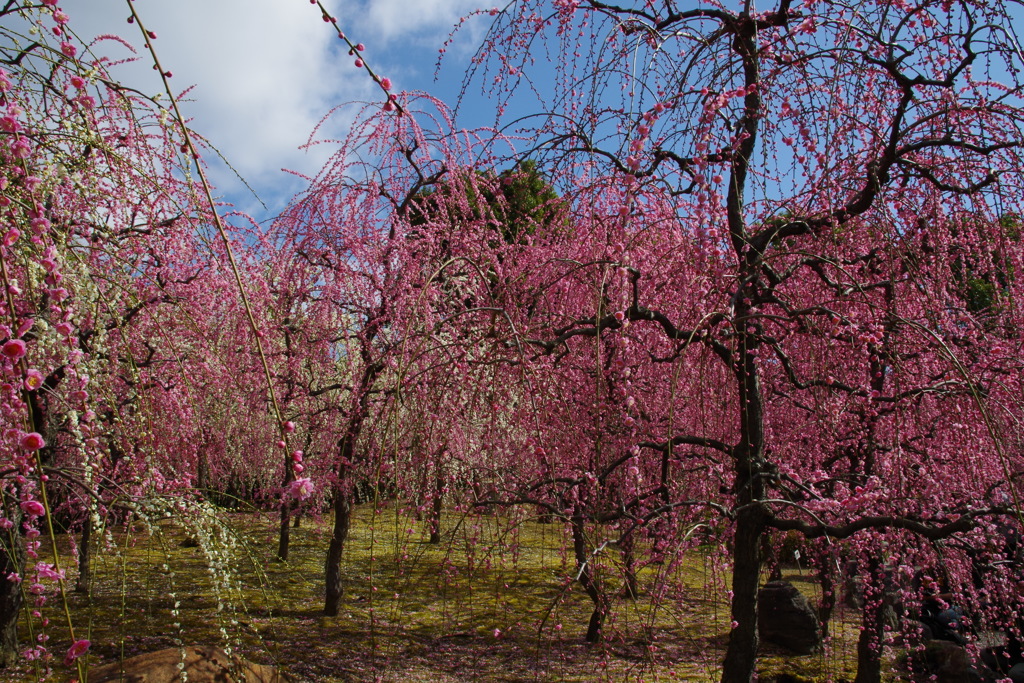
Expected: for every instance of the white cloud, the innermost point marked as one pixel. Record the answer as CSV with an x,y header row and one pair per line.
x,y
261,74
266,71
430,19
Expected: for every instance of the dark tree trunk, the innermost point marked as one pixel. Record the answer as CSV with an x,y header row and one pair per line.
x,y
751,515
12,560
771,558
869,645
342,520
478,494
202,470
590,582
827,579
85,557
436,504
296,522
741,655
421,491
343,490
284,534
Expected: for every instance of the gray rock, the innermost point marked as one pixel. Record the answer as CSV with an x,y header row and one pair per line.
x,y
950,663
786,618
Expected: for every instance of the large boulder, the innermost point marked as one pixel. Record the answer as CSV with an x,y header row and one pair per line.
x,y
202,664
786,618
950,663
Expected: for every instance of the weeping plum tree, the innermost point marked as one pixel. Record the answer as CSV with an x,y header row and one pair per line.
x,y
780,294
108,277
390,273
769,207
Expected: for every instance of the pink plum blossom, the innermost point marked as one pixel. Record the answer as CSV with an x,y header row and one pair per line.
x,y
77,649
13,349
301,489
33,508
32,441
33,379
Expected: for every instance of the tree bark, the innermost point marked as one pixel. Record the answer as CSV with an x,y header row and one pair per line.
x,y
343,492
342,520
771,558
284,534
202,467
827,578
750,487
741,655
85,557
869,645
587,578
436,504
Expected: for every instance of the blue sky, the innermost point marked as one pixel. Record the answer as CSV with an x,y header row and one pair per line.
x,y
265,71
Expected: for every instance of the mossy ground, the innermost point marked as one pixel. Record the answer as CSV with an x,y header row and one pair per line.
x,y
494,601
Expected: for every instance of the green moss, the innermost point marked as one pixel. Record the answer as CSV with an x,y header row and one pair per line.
x,y
495,601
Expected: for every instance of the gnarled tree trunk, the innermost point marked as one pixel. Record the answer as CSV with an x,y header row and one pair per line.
x,y
339,535
342,520
869,645
588,579
741,655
